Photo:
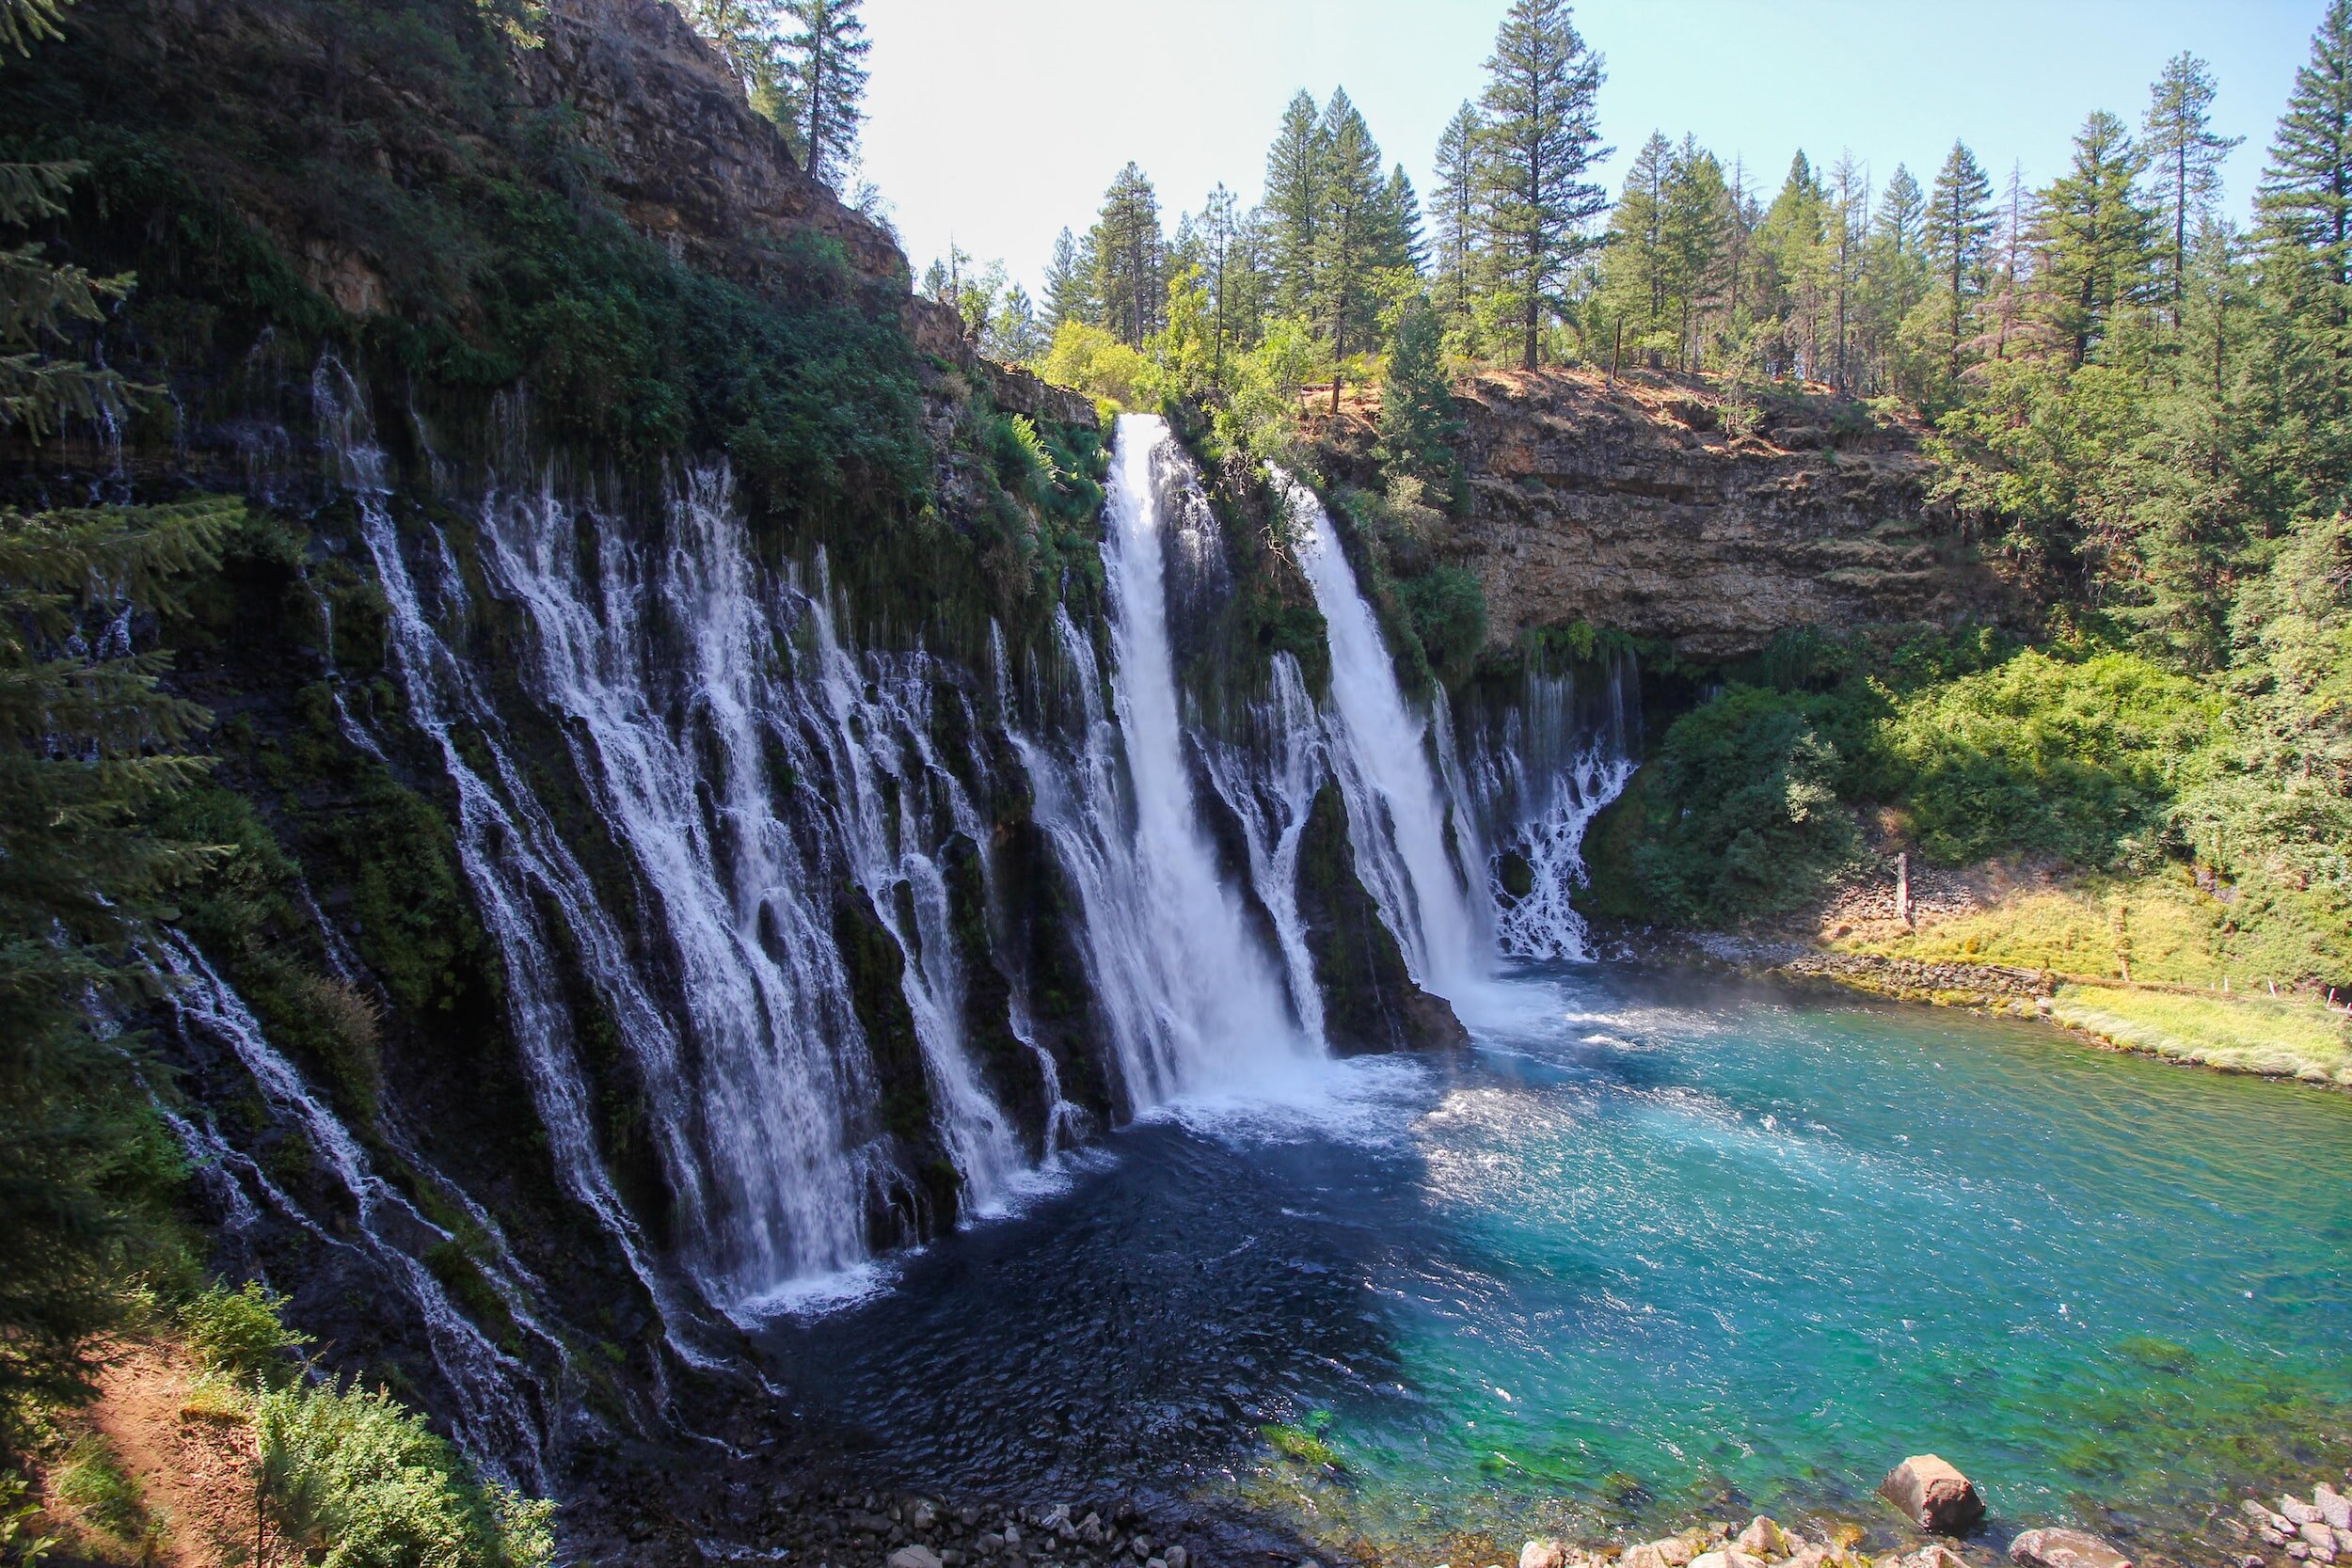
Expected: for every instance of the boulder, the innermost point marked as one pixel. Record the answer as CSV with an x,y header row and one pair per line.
x,y
2065,1548
2333,1506
1933,1494
1647,1554
1936,1555
914,1557
1542,1554
1764,1538
1176,1557
2298,1511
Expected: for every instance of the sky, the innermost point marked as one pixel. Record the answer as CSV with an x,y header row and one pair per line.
x,y
994,123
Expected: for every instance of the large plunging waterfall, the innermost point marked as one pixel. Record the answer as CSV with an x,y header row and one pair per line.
x,y
1408,842
1194,1000
762,869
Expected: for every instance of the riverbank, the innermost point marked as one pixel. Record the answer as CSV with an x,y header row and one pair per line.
x,y
2122,966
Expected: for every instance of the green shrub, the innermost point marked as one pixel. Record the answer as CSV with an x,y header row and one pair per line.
x,y
238,1333
1447,607
1743,816
2047,756
353,1480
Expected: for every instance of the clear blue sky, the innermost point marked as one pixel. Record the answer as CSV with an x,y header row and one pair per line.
x,y
998,121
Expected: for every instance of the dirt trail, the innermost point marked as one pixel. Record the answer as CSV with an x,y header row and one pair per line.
x,y
194,1470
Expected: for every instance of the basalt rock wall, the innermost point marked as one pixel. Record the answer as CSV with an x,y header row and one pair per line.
x,y
1652,506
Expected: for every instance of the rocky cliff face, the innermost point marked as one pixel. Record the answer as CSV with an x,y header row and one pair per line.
x,y
684,158
1634,508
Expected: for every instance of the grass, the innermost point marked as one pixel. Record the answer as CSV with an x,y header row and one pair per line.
x,y
2281,1037
2159,929
106,1500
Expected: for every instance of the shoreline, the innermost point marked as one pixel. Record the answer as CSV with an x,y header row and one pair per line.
x,y
2082,1007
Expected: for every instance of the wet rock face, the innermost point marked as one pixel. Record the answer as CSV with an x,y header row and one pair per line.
x,y
1637,508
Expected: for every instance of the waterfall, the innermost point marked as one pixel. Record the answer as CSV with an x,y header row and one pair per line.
x,y
510,853
1268,778
1392,771
490,1420
1194,1004
1540,774
763,781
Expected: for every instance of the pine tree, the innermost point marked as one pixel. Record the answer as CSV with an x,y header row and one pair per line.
x,y
1697,213
1069,284
1542,85
2305,202
1794,270
1130,254
1294,203
1636,267
2095,236
1418,424
1350,233
2185,157
828,76
89,746
749,37
1224,263
1461,176
1846,224
1958,229
1402,243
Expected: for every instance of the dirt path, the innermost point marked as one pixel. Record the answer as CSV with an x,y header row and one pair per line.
x,y
194,1470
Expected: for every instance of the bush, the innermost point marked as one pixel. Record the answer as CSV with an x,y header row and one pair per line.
x,y
1092,361
1743,816
1447,608
2046,756
238,1333
353,1480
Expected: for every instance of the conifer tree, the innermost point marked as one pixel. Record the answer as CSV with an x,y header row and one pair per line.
x,y
749,36
828,77
1294,203
1418,424
2306,197
1352,230
1542,88
88,745
2184,155
1130,254
1637,267
1846,222
2095,236
1959,228
1069,284
1697,213
1402,243
1460,179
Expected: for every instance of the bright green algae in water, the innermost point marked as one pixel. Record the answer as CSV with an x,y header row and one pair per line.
x,y
1748,1255
1672,1251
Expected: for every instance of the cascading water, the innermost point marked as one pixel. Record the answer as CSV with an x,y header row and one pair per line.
x,y
489,1418
1539,776
753,770
1401,819
756,1097
1194,1003
510,853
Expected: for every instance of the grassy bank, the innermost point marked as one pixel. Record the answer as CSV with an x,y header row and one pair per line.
x,y
2287,1036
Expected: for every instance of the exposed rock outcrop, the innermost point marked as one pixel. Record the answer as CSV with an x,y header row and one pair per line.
x,y
686,158
1632,506
1933,1494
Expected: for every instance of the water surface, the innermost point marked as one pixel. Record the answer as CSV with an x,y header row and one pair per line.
x,y
1672,1248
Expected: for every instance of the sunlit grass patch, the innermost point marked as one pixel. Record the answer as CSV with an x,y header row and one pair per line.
x,y
2246,1034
